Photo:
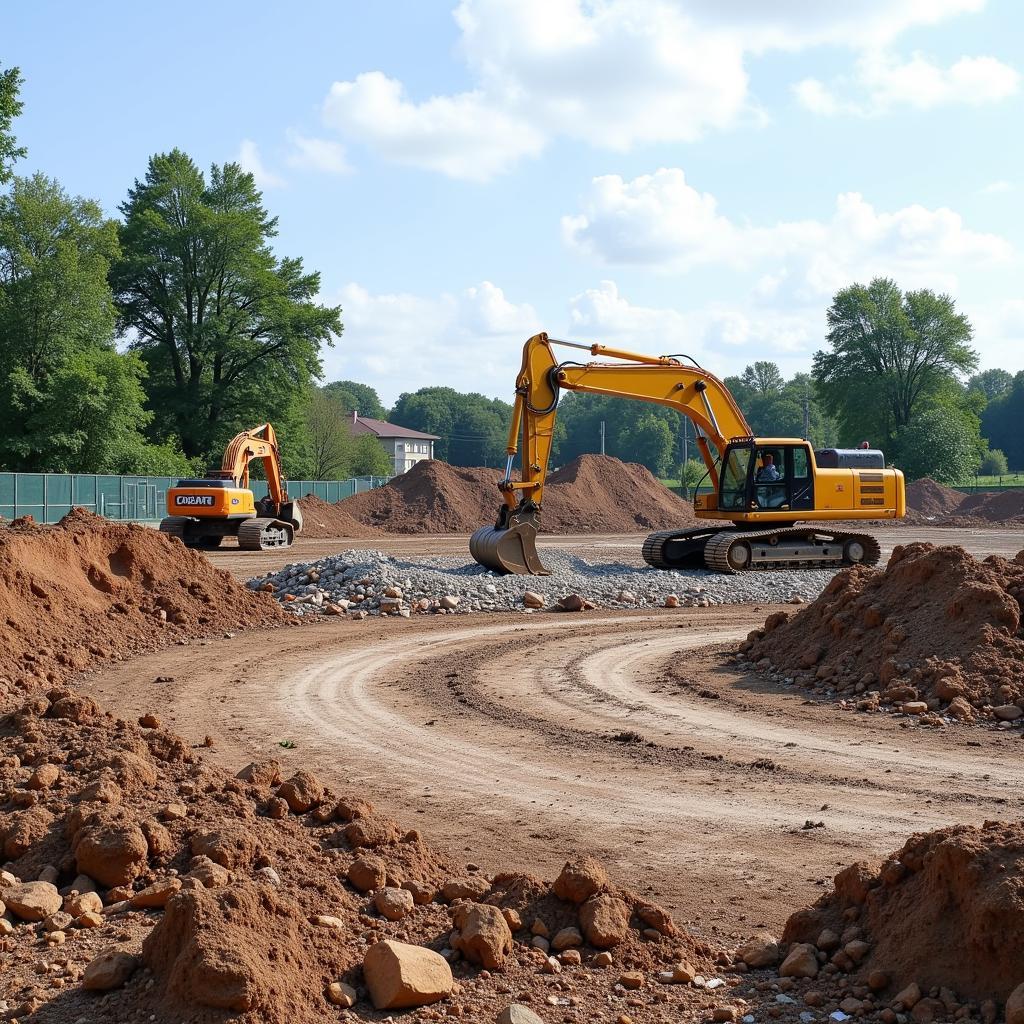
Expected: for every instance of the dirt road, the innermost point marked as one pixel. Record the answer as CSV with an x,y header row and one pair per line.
x,y
623,547
521,738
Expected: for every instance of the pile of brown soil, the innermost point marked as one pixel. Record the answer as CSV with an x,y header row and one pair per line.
x,y
321,520
994,507
432,497
930,498
945,912
935,625
593,492
90,590
246,897
600,493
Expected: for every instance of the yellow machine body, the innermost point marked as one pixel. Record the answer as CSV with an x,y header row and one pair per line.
x,y
210,502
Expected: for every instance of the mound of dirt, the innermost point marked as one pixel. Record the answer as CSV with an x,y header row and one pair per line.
x,y
593,492
254,900
935,626
994,506
601,493
945,912
321,520
930,498
91,590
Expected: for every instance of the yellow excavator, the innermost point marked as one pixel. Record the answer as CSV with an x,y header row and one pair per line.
x,y
762,487
202,512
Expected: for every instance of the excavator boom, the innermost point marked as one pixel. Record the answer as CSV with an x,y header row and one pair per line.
x,y
677,382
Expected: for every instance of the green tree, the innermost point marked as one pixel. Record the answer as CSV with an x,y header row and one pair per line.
x,y
993,463
10,108
763,378
991,383
473,429
941,443
1001,422
356,397
69,400
368,458
330,437
891,356
692,472
649,441
231,334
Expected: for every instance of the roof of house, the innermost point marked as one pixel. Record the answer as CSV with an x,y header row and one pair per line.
x,y
366,425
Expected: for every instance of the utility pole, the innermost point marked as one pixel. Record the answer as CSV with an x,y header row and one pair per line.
x,y
602,437
807,416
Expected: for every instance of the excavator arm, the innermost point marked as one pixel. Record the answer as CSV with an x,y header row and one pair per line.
x,y
258,443
663,380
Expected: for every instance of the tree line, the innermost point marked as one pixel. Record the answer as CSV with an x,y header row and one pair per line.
x,y
142,343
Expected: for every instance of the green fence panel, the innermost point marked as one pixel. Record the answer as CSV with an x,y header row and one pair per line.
x,y
48,497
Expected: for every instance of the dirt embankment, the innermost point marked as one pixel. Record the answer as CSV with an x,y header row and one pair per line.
x,y
936,630
940,922
90,590
593,492
939,505
323,521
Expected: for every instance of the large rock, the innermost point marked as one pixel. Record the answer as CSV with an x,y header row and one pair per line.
x,y
110,970
302,792
484,936
604,920
114,851
518,1014
262,774
761,950
394,904
367,872
400,976
580,879
32,901
21,830
800,962
1015,1006
231,845
473,887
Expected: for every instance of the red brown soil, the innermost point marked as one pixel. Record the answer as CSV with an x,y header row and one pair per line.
x,y
994,506
593,492
931,498
91,590
946,911
935,625
322,521
246,946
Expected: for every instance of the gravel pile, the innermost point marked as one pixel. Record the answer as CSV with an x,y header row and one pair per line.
x,y
371,582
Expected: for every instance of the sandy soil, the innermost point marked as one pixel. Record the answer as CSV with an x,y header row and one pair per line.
x,y
622,547
523,738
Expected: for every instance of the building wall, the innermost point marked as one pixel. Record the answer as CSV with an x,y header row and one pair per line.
x,y
405,453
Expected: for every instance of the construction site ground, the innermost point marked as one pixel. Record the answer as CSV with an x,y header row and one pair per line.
x,y
618,733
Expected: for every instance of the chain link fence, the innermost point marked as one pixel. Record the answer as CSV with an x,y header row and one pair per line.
x,y
47,497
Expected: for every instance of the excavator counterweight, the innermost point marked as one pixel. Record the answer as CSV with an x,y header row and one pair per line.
x,y
775,502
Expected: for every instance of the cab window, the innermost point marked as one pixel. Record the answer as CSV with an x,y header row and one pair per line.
x,y
800,471
770,477
733,492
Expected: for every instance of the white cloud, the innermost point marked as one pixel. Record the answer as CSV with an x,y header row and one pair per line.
x,y
996,187
883,83
401,342
317,154
660,221
250,160
614,74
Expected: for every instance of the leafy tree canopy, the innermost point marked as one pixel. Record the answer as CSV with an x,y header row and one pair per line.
x,y
942,443
473,429
10,108
991,383
231,334
1001,422
356,397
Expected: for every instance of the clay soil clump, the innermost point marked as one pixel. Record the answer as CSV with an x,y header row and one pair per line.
x,y
946,912
591,493
322,521
930,498
935,631
90,590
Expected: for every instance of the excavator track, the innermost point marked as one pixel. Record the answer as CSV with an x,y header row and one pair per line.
x,y
264,534
732,551
679,549
174,526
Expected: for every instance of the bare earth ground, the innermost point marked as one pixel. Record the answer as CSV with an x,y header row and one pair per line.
x,y
621,733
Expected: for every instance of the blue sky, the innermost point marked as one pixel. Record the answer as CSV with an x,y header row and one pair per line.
x,y
670,175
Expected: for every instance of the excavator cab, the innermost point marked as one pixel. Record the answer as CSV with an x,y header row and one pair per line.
x,y
767,476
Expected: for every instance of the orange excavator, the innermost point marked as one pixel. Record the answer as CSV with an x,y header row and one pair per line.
x,y
202,512
762,488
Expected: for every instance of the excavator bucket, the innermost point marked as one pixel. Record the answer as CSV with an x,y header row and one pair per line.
x,y
512,550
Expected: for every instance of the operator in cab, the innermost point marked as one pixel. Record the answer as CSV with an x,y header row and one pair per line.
x,y
768,472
